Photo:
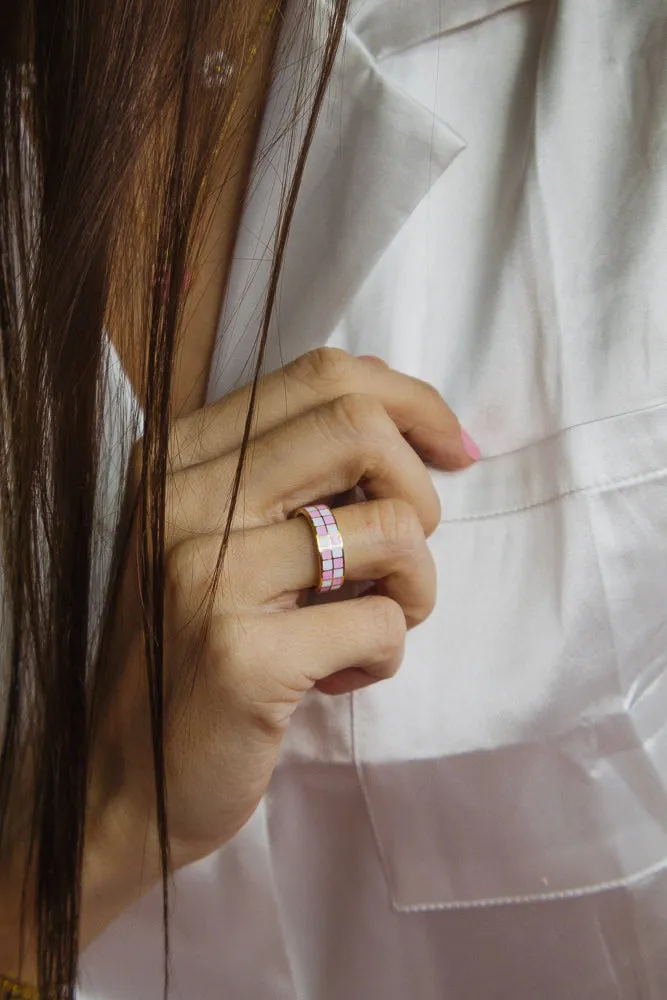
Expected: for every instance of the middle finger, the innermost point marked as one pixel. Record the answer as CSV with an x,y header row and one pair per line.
x,y
322,453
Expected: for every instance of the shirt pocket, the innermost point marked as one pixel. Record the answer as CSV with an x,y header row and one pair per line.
x,y
521,752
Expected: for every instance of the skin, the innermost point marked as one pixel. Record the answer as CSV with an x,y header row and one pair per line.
x,y
325,424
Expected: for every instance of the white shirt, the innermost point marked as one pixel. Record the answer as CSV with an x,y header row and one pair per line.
x,y
485,207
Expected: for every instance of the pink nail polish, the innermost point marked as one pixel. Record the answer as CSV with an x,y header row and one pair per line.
x,y
471,448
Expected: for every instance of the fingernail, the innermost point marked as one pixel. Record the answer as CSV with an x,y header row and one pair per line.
x,y
471,448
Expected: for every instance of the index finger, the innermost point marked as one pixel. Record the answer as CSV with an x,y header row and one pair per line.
x,y
417,409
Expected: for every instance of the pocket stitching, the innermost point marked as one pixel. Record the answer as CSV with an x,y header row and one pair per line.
x,y
586,890
602,486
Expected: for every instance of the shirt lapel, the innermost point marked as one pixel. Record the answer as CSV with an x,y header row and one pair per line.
x,y
375,155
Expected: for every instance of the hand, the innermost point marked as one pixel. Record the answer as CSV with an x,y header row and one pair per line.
x,y
325,424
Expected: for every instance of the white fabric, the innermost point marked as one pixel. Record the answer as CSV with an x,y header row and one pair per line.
x,y
485,207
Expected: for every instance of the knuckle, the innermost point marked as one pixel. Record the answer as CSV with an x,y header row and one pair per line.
x,y
400,526
433,517
431,510
324,365
432,401
359,415
388,626
433,395
425,606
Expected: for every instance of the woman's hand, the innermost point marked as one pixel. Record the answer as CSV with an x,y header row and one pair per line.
x,y
325,424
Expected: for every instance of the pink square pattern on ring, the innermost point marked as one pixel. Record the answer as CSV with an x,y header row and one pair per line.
x,y
329,546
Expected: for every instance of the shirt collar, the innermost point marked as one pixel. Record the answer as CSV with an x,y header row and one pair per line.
x,y
376,154
390,26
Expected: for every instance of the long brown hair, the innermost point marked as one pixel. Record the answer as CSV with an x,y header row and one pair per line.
x,y
87,91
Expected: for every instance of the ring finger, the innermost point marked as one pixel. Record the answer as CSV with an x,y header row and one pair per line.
x,y
383,540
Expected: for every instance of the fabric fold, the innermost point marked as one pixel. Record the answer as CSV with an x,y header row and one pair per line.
x,y
383,26
369,127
